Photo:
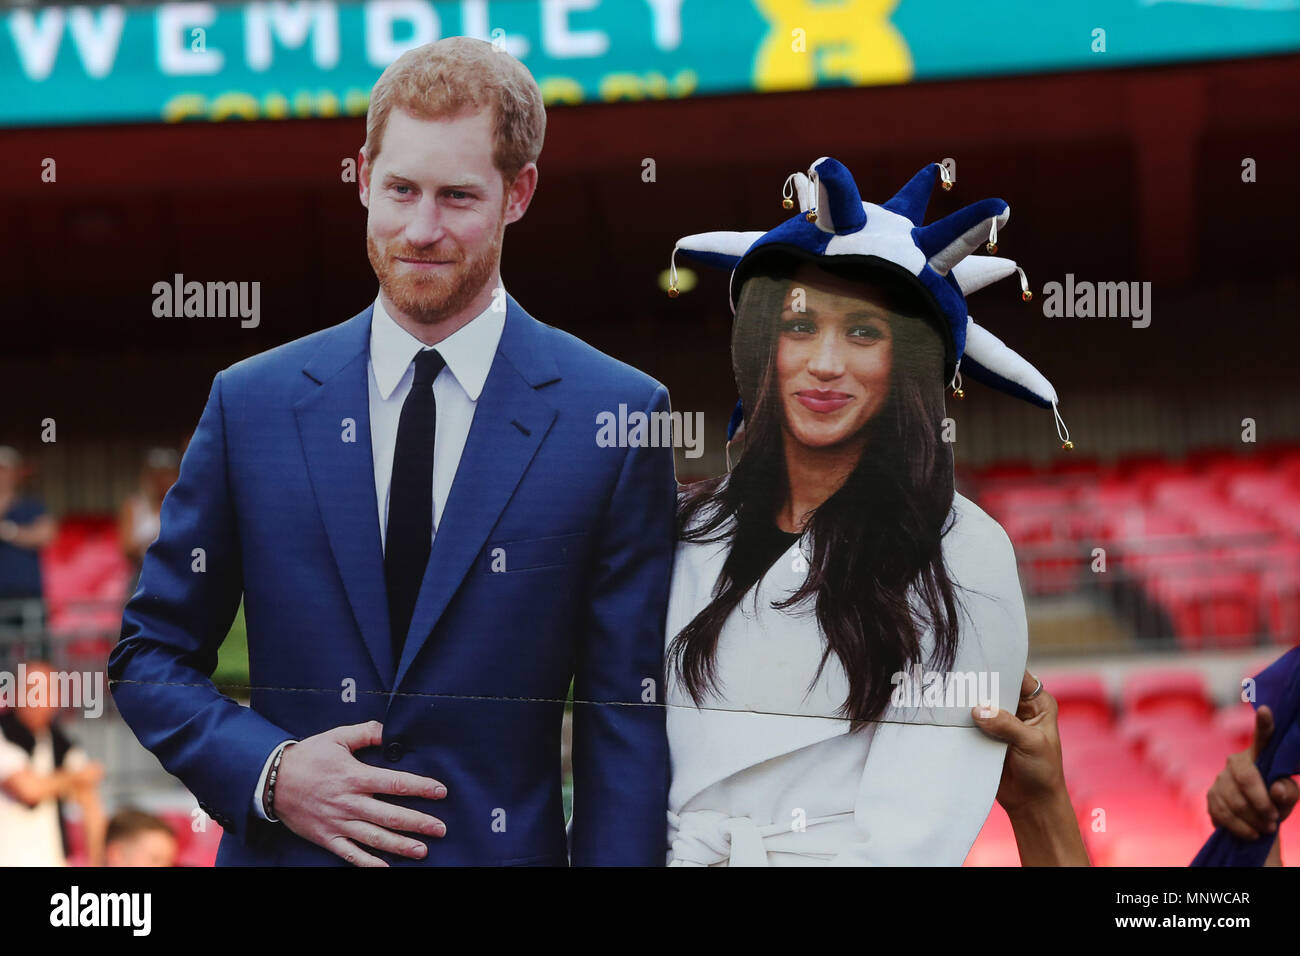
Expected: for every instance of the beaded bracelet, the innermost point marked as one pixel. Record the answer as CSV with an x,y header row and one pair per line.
x,y
269,802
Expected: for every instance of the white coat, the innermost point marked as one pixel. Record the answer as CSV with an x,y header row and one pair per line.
x,y
764,774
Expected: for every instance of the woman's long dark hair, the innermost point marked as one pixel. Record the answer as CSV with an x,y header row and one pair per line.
x,y
876,542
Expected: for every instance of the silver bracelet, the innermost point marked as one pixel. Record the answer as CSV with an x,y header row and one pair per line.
x,y
269,803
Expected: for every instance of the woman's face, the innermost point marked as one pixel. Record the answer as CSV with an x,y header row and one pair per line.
x,y
834,356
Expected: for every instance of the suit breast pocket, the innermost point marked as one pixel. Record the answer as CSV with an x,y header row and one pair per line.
x,y
532,554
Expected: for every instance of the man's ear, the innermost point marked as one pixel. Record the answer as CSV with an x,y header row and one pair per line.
x,y
363,178
519,193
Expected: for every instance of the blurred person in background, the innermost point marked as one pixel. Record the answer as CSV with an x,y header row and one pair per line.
x,y
136,838
138,520
25,529
40,769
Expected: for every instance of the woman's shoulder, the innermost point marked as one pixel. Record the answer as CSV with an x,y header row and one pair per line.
x,y
982,564
974,534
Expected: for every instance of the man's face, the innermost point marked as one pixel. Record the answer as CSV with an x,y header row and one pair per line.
x,y
437,211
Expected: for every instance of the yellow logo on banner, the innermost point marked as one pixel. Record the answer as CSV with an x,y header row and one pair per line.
x,y
811,41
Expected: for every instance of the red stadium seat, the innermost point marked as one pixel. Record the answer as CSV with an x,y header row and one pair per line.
x,y
1258,490
1215,608
1132,827
1285,514
1176,691
1182,492
996,843
85,576
1280,605
1008,499
1117,769
1075,466
1237,723
1173,848
1173,751
1289,835
1080,696
1111,496
1008,470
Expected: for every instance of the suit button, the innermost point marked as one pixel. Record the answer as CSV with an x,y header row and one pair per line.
x,y
393,751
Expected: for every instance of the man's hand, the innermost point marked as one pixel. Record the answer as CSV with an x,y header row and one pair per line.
x,y
325,795
1238,799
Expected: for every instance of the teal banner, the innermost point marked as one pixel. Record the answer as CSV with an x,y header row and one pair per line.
x,y
216,61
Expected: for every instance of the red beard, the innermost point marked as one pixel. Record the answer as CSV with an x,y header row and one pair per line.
x,y
432,297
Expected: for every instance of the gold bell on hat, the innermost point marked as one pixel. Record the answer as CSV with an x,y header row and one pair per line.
x,y
1068,445
787,203
992,247
811,217
958,393
947,185
1026,296
672,292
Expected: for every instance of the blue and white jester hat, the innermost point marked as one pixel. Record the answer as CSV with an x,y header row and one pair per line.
x,y
834,226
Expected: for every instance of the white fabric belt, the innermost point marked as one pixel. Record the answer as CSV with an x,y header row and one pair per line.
x,y
709,837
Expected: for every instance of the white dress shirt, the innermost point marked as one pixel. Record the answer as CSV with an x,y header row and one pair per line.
x,y
468,352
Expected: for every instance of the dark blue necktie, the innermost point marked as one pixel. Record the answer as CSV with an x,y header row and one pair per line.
x,y
410,499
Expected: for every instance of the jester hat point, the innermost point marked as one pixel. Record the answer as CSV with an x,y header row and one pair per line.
x,y
834,228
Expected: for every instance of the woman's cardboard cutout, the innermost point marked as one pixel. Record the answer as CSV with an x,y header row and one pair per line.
x,y
837,609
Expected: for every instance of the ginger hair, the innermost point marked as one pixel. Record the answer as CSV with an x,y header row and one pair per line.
x,y
459,75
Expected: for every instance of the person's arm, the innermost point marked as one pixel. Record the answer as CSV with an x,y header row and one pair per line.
x,y
1032,788
126,531
190,587
161,670
30,787
1047,834
85,794
1239,801
33,535
620,747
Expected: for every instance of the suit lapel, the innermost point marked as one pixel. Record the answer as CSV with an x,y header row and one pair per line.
x,y
510,421
343,477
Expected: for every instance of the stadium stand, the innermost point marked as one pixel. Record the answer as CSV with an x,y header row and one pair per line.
x,y
1204,551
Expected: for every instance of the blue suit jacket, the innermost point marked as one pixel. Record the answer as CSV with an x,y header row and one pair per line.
x,y
275,505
